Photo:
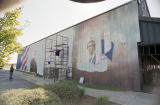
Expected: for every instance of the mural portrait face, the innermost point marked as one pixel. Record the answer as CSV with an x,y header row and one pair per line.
x,y
91,47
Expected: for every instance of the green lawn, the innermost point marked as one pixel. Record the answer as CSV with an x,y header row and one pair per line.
x,y
98,87
102,87
30,73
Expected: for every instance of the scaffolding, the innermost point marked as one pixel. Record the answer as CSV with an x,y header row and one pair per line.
x,y
56,57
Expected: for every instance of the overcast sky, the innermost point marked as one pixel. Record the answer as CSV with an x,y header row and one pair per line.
x,y
49,16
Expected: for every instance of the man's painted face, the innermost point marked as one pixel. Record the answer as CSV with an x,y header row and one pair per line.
x,y
91,47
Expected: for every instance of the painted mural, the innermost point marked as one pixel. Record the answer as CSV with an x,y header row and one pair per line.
x,y
105,49
33,66
22,59
31,58
95,52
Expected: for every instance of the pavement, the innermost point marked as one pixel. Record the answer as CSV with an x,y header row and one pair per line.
x,y
33,79
16,82
123,98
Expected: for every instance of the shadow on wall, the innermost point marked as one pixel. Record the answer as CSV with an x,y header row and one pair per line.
x,y
33,66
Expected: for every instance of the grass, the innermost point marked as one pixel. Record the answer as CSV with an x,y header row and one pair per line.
x,y
102,87
102,100
30,73
98,87
25,72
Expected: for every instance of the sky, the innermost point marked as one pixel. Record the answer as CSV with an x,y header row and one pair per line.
x,y
50,16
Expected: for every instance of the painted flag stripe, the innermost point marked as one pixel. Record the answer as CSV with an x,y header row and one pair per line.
x,y
24,64
24,58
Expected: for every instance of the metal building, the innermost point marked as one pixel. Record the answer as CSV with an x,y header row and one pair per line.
x,y
149,51
107,49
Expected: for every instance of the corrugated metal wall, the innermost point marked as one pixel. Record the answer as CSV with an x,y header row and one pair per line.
x,y
143,8
149,30
113,36
36,52
149,50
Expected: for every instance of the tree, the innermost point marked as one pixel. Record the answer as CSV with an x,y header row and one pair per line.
x,y
10,29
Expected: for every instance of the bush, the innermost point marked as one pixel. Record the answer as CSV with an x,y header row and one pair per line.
x,y
66,90
81,92
101,100
37,96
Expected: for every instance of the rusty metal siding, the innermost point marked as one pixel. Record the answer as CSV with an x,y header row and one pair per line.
x,y
120,70
149,30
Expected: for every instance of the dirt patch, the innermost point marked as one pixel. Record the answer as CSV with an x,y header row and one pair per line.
x,y
88,100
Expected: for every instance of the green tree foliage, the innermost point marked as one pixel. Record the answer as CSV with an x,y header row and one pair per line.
x,y
10,29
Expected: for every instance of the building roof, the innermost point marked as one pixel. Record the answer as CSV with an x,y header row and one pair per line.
x,y
157,20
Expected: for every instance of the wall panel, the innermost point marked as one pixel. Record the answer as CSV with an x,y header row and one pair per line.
x,y
112,57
